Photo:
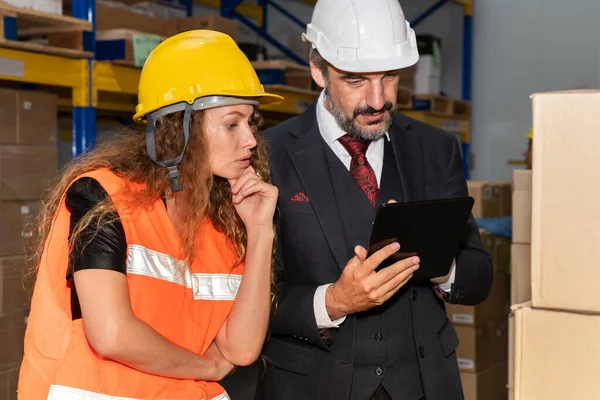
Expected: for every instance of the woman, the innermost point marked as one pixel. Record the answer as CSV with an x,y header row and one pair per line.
x,y
156,249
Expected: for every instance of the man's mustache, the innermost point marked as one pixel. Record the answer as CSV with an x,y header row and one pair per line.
x,y
388,106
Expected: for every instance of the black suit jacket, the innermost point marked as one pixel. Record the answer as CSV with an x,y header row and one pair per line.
x,y
312,251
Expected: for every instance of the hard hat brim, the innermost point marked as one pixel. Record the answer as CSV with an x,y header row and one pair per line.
x,y
264,98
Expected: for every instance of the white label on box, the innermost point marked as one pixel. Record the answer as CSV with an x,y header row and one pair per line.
x,y
463,318
487,193
466,363
27,105
12,67
25,210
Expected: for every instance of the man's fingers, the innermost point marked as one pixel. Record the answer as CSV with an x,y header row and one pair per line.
x,y
392,292
361,253
396,282
392,201
378,257
390,272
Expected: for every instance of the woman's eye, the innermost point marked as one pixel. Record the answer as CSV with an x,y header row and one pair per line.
x,y
231,126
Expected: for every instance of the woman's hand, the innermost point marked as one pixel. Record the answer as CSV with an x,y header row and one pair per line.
x,y
223,367
254,200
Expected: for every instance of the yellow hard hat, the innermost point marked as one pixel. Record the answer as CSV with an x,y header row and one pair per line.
x,y
196,64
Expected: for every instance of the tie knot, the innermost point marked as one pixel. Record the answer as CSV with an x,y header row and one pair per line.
x,y
354,146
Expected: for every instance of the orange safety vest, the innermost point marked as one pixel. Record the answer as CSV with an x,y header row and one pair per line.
x,y
188,306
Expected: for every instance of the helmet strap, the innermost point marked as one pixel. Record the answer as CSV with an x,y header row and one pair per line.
x,y
172,163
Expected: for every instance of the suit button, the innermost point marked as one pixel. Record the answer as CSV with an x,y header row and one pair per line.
x,y
378,337
421,352
414,295
379,371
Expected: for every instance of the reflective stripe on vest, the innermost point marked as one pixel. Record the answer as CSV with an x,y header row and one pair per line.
x,y
58,392
143,261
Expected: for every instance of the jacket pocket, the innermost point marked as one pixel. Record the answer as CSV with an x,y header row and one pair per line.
x,y
288,356
448,338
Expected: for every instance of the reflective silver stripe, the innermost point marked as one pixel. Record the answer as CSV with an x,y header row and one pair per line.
x,y
58,392
143,261
223,396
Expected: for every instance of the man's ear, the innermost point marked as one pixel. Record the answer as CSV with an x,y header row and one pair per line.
x,y
317,74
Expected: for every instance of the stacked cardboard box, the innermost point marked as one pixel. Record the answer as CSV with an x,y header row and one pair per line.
x,y
483,330
520,278
28,164
556,346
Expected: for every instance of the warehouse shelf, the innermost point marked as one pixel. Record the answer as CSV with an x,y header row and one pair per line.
x,y
458,126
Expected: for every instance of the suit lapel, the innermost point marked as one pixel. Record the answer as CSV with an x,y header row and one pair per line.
x,y
308,156
408,151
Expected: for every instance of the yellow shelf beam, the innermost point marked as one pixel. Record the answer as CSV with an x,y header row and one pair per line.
x,y
248,10
43,69
457,126
295,102
116,78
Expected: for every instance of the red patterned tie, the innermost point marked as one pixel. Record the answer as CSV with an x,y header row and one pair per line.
x,y
360,169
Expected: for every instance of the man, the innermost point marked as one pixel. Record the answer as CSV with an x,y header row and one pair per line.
x,y
341,330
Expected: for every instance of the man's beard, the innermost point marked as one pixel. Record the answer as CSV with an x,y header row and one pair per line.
x,y
349,125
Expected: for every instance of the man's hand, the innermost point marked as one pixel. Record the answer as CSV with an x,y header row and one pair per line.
x,y
360,288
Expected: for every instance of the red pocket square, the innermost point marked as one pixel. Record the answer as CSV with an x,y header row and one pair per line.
x,y
301,197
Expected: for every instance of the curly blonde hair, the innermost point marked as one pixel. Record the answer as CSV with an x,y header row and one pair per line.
x,y
204,195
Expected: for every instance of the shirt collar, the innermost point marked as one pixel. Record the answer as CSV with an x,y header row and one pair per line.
x,y
330,130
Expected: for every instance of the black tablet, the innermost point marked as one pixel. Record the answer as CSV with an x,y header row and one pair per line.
x,y
431,229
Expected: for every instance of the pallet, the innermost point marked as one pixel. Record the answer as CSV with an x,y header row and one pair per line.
x,y
40,32
276,72
442,106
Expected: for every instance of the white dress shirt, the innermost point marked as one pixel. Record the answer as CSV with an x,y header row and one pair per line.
x,y
331,132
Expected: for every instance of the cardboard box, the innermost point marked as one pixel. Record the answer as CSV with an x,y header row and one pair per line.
x,y
487,199
212,22
9,376
482,346
48,6
16,220
428,77
494,307
498,249
407,77
501,255
565,201
521,198
12,291
511,353
489,384
26,171
113,17
12,336
557,355
520,278
506,199
28,117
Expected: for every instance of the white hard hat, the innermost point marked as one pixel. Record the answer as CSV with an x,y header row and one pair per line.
x,y
362,35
